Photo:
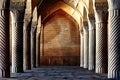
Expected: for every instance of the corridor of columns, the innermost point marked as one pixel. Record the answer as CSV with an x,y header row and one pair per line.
x,y
60,39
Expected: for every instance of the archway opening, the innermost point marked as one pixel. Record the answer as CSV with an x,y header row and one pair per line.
x,y
60,41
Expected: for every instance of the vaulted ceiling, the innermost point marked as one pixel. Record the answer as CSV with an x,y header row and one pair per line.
x,y
78,9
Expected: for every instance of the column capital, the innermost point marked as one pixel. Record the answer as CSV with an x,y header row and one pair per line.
x,y
17,5
100,6
18,10
34,24
27,25
81,31
114,4
91,17
91,21
101,12
4,4
28,17
85,23
85,26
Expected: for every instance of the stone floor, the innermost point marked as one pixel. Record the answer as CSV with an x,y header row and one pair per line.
x,y
57,73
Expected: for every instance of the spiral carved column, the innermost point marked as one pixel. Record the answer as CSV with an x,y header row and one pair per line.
x,y
114,40
86,44
38,47
82,49
91,60
26,46
17,37
101,16
4,41
33,45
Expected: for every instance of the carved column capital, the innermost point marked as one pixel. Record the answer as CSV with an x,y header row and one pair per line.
x,y
101,12
91,17
25,27
4,4
27,17
81,31
101,6
85,26
114,4
18,10
91,21
17,5
34,24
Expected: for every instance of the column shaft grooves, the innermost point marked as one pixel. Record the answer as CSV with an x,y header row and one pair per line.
x,y
4,44
17,47
101,48
114,45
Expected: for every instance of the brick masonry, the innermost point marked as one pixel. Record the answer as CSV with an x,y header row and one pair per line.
x,y
60,44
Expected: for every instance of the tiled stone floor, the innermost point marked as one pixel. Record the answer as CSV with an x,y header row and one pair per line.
x,y
57,73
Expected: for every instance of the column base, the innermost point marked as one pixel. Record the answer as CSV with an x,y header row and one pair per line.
x,y
27,68
114,75
33,66
17,70
101,70
81,65
37,66
4,73
91,68
85,66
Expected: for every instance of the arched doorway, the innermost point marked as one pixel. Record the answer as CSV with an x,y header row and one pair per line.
x,y
60,40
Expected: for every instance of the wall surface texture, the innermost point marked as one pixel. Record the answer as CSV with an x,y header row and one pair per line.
x,y
60,43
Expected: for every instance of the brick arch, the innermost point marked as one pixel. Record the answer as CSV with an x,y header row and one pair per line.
x,y
60,40
48,10
63,13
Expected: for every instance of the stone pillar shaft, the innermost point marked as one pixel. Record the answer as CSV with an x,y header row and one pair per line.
x,y
17,36
91,61
17,47
38,48
114,40
101,48
4,43
26,48
86,44
101,17
82,49
33,46
91,49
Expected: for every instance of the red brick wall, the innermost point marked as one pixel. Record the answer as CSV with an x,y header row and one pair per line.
x,y
60,44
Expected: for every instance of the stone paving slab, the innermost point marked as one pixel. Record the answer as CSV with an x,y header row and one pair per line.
x,y
57,73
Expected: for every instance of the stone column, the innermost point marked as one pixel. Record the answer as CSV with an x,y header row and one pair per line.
x,y
86,43
82,49
17,10
26,45
38,47
91,60
114,40
101,17
33,45
4,39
